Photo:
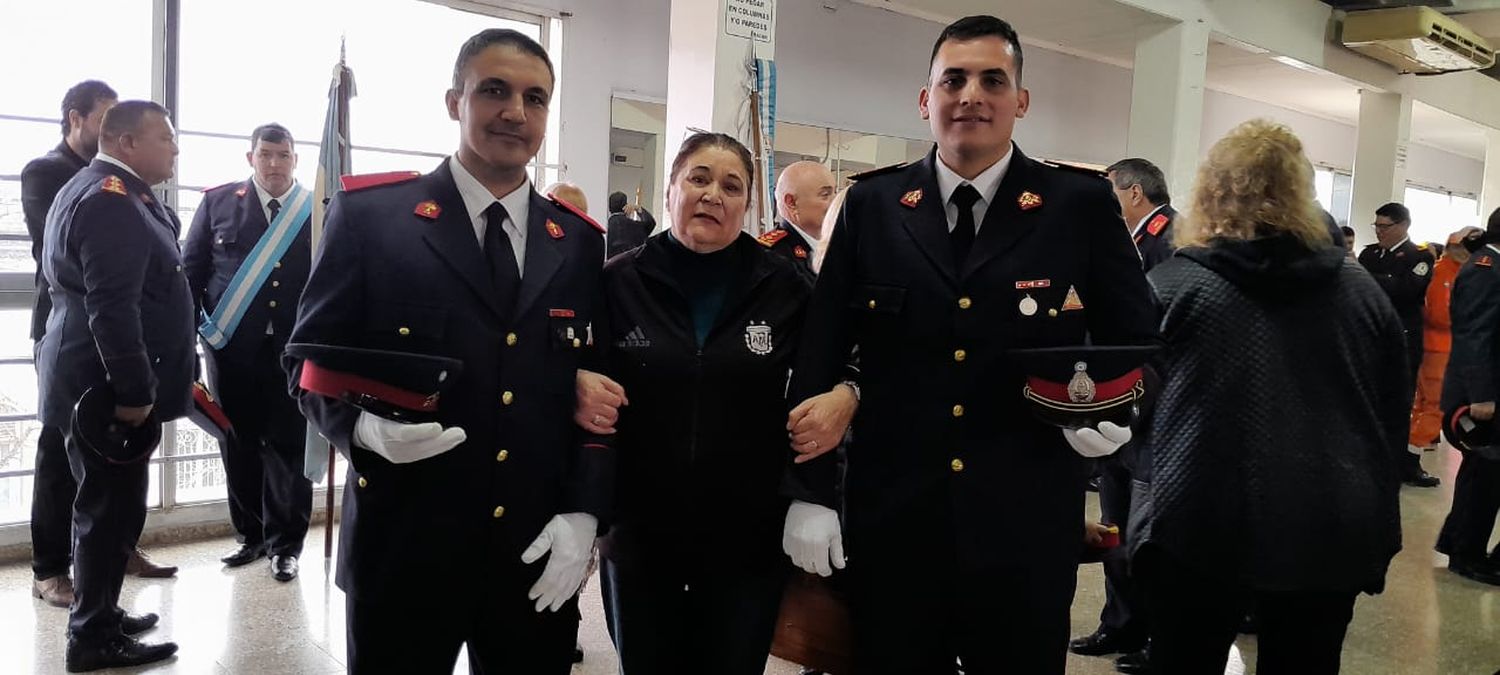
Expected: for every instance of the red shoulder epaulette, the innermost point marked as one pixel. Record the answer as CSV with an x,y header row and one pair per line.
x,y
576,211
769,239
1483,261
353,183
115,185
1157,224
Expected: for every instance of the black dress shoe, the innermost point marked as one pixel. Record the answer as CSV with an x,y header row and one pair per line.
x,y
246,554
120,651
284,567
1135,662
1422,479
1475,570
1105,641
577,654
131,624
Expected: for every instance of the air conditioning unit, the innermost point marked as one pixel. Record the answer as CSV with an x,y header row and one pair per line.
x,y
1416,40
635,157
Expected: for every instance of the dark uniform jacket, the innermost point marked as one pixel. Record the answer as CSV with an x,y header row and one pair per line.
x,y
943,445
400,269
1473,374
703,443
1402,273
40,182
1273,448
788,243
121,313
625,233
1154,238
228,225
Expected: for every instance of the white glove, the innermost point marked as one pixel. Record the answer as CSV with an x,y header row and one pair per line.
x,y
1091,443
405,443
570,538
813,538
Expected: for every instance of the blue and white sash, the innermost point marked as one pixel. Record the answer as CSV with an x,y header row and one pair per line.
x,y
218,329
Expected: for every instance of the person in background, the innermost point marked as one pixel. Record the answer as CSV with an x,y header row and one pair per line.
x,y
1348,240
1437,343
629,225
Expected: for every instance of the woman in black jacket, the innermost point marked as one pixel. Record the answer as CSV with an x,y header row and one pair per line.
x,y
704,321
1271,454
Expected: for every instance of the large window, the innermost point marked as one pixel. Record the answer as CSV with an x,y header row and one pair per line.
x,y
237,67
1436,214
1335,193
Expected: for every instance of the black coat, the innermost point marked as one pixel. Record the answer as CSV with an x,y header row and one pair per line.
x,y
41,180
1271,456
121,313
229,223
703,443
625,233
1473,374
388,277
1403,273
1154,238
786,242
1003,486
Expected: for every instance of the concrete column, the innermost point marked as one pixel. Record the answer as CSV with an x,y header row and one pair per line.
x,y
1166,102
712,44
1379,157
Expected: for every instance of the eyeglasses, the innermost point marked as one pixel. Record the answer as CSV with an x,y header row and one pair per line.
x,y
1382,226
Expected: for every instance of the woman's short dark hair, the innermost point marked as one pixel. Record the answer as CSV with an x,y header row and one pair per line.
x,y
709,139
491,37
83,97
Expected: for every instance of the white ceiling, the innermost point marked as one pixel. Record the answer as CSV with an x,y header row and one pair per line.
x,y
1105,30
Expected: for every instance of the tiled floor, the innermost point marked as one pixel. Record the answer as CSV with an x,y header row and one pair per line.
x,y
241,621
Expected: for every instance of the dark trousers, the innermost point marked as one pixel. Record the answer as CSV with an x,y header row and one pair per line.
x,y
270,501
108,514
1411,464
1194,619
1476,501
503,631
52,492
1124,609
665,621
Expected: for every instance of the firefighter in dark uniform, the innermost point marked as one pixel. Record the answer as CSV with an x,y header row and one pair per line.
x,y
121,319
53,489
247,258
803,193
1145,201
964,512
477,528
1403,270
1473,379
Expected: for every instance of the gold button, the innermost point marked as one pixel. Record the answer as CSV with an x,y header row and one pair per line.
x,y
273,304
964,302
510,339
1052,313
577,343
499,511
363,482
502,455
276,284
957,465
959,355
872,304
278,265
507,398
958,411
404,330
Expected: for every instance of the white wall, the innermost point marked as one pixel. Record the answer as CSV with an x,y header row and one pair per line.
x,y
860,68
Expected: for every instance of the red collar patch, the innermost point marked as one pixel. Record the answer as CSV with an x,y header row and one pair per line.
x,y
115,185
1157,224
428,209
799,252
911,199
1029,200
1483,261
554,230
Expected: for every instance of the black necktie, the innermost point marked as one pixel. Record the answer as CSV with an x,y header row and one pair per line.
x,y
501,255
275,207
962,236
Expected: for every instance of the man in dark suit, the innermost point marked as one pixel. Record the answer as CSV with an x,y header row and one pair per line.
x,y
629,225
53,489
1403,270
1145,202
121,318
803,193
964,512
445,523
247,258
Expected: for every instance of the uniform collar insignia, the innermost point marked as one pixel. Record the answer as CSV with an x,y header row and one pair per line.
x,y
554,230
911,199
428,209
115,185
1029,200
